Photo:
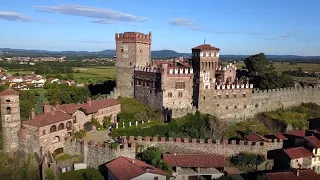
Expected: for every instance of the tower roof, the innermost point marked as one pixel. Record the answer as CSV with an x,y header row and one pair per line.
x,y
205,47
9,92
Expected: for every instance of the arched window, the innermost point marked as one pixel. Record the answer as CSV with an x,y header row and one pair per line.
x,y
122,50
69,125
207,87
8,110
61,126
53,128
234,95
244,94
170,94
56,139
180,94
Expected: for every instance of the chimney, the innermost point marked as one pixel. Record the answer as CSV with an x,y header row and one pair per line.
x,y
33,114
174,154
89,101
298,172
46,107
132,161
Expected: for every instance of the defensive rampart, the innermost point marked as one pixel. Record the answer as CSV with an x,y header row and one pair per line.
x,y
225,147
95,154
237,108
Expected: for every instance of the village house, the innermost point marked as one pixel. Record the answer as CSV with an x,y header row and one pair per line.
x,y
295,174
59,122
193,166
124,168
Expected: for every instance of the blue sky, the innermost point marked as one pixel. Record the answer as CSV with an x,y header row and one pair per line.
x,y
235,26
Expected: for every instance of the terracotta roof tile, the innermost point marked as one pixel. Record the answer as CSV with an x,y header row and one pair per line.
x,y
303,175
195,160
298,152
51,117
314,141
99,104
296,133
9,92
127,168
280,136
205,47
254,137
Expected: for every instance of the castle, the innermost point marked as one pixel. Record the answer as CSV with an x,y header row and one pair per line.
x,y
177,87
47,132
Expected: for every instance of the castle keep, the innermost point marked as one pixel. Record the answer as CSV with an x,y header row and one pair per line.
x,y
177,87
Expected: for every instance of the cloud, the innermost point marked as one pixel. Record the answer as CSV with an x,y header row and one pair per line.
x,y
100,15
185,23
286,35
12,16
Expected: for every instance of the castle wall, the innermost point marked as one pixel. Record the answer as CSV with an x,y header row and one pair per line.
x,y
238,108
149,96
226,148
96,154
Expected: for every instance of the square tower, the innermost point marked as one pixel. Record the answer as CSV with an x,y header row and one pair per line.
x,y
10,118
205,59
132,49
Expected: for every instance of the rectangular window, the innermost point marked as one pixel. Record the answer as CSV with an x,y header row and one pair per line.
x,y
180,94
155,178
44,132
74,119
180,85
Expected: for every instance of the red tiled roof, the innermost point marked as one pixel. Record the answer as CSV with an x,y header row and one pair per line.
x,y
280,136
99,104
95,106
314,141
195,160
51,117
254,137
9,92
303,175
298,152
205,47
127,168
297,133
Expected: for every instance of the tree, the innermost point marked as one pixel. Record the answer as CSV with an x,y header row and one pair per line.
x,y
247,159
262,74
257,64
39,105
152,155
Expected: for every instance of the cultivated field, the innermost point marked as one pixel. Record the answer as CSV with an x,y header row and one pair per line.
x,y
283,66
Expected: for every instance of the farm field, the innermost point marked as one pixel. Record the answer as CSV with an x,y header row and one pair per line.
x,y
283,66
92,74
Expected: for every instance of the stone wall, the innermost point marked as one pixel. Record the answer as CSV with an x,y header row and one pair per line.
x,y
95,154
239,108
225,147
10,119
149,96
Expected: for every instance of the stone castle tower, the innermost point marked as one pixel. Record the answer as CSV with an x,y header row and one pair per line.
x,y
132,49
205,59
10,118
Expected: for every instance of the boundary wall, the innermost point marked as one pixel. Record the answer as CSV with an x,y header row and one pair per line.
x,y
95,154
239,108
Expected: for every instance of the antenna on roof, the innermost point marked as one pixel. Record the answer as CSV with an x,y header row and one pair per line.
x,y
204,41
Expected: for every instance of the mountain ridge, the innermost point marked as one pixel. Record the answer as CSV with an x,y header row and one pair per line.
x,y
111,52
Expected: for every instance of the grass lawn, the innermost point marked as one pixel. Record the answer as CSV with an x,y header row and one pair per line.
x,y
91,173
63,157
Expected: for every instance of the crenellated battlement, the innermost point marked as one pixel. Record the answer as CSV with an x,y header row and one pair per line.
x,y
156,139
177,70
133,37
285,90
147,69
220,68
235,86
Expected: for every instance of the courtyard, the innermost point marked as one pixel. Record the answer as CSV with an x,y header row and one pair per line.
x,y
98,136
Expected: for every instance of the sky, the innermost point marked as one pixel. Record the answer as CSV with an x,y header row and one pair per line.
x,y
279,27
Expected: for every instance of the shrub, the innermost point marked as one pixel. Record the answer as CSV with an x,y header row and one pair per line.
x,y
97,124
49,174
83,174
80,134
247,159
